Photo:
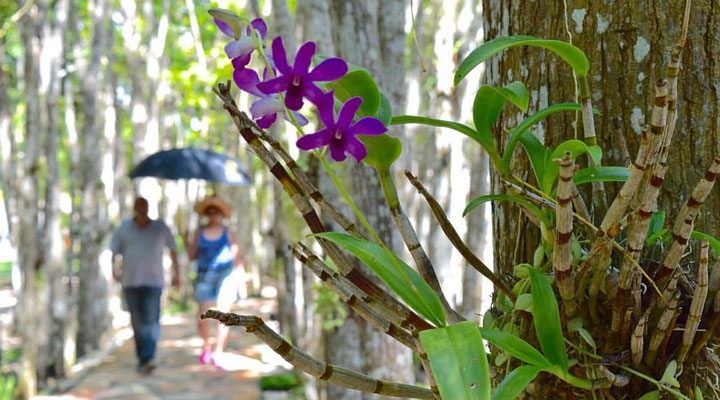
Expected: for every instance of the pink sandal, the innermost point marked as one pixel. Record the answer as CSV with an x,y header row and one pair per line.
x,y
206,357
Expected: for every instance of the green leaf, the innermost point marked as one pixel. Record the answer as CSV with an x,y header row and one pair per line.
x,y
490,100
654,395
233,20
476,202
574,324
486,142
400,277
515,382
489,103
587,337
517,132
601,174
384,112
571,54
441,123
547,320
515,346
576,148
712,241
539,155
538,257
657,221
698,393
488,320
458,360
524,302
662,235
383,150
668,375
358,83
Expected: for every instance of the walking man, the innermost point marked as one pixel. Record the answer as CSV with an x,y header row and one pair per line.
x,y
140,242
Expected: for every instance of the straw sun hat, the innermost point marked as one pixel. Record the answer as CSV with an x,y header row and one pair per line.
x,y
216,202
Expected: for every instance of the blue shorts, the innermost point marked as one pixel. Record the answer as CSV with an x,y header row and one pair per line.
x,y
209,284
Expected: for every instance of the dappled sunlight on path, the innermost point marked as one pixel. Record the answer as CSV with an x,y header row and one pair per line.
x,y
178,374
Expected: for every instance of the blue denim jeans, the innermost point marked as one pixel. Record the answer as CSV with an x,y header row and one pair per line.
x,y
144,305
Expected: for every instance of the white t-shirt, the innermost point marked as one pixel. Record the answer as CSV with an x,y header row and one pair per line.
x,y
142,252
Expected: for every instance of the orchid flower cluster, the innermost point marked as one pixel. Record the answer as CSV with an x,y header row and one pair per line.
x,y
286,84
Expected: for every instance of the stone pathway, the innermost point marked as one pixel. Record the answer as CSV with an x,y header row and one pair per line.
x,y
178,375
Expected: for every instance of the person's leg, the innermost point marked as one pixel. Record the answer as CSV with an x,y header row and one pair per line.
x,y
227,295
204,324
132,299
206,300
151,322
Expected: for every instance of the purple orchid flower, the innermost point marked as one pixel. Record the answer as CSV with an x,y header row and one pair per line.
x,y
298,82
339,135
240,49
264,110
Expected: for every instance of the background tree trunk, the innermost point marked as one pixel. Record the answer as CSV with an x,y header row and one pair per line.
x,y
359,30
627,44
30,254
54,364
93,293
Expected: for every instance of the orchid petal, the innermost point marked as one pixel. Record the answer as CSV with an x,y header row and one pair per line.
x,y
274,85
247,80
355,148
265,106
259,25
293,100
299,118
280,56
266,121
337,150
242,61
348,110
312,92
240,47
326,109
314,140
224,27
367,126
304,57
329,70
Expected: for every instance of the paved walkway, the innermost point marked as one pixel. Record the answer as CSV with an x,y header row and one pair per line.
x,y
178,375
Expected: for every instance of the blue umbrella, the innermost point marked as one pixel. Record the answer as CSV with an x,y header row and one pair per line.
x,y
192,163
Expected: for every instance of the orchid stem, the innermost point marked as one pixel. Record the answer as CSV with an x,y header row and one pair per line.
x,y
392,257
349,200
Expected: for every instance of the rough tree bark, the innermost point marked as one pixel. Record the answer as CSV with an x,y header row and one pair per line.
x,y
291,313
8,149
371,34
627,44
93,309
30,255
55,364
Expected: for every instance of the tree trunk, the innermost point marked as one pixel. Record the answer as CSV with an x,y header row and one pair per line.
x,y
30,254
627,44
54,262
290,310
361,27
8,152
93,294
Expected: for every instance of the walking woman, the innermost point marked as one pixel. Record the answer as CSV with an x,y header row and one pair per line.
x,y
217,253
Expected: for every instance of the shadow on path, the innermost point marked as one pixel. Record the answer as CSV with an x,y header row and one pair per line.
x,y
178,374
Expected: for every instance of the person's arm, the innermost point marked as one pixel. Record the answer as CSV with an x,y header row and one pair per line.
x,y
175,280
235,248
116,266
116,258
175,269
191,246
